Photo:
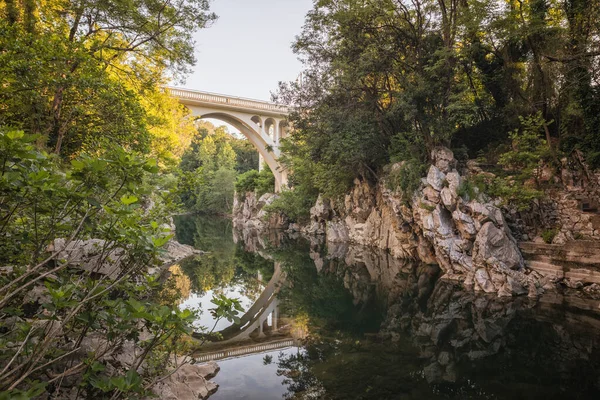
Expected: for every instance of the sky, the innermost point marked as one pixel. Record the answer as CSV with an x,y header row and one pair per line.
x,y
247,51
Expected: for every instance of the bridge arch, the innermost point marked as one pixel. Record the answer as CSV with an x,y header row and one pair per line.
x,y
253,118
259,143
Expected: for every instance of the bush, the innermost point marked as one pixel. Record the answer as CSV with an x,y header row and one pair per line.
x,y
254,181
295,204
265,182
96,197
246,182
408,177
549,234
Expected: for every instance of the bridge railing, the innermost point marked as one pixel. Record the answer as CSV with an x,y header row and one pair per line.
x,y
240,351
214,98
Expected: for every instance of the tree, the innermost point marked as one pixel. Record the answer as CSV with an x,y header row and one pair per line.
x,y
389,80
209,170
91,60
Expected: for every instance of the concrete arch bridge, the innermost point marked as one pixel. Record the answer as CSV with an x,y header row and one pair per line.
x,y
262,123
259,329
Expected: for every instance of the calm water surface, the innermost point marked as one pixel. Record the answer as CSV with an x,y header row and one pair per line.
x,y
348,322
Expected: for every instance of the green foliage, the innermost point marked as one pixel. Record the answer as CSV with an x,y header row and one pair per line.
x,y
208,176
382,84
519,182
407,177
265,182
549,234
76,73
99,198
253,181
246,182
226,308
246,155
528,148
513,191
295,204
468,190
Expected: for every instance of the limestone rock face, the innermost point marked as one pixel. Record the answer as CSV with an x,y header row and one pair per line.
x,y
190,382
494,246
443,159
468,238
98,256
250,212
321,211
435,178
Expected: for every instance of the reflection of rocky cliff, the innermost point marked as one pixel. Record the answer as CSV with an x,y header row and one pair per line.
x,y
437,339
461,335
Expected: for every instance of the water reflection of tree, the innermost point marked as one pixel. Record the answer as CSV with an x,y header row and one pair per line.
x,y
225,263
460,346
300,381
346,368
176,288
322,296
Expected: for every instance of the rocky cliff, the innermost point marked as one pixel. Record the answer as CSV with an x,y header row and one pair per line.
x,y
466,235
468,238
250,211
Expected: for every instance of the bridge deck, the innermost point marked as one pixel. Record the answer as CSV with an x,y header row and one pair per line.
x,y
214,99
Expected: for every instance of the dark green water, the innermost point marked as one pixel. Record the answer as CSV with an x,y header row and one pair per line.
x,y
349,322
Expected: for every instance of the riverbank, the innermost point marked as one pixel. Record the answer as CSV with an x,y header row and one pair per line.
x,y
473,238
373,325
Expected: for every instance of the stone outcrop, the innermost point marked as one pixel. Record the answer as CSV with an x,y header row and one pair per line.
x,y
251,212
575,263
570,207
189,382
98,256
468,238
471,238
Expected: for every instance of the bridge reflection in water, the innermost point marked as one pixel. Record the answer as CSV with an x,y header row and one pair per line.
x,y
260,329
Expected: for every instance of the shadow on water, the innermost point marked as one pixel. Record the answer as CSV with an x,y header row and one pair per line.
x,y
367,326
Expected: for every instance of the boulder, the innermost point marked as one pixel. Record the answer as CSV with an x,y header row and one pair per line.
x,y
189,382
493,246
454,180
442,220
321,211
483,280
431,194
98,256
449,198
443,159
435,178
464,224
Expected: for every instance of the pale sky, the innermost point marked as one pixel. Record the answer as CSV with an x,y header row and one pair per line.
x,y
246,52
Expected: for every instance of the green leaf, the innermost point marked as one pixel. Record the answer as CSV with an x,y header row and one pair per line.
x,y
127,200
161,241
77,164
15,135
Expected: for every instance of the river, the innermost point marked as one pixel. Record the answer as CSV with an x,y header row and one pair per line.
x,y
348,322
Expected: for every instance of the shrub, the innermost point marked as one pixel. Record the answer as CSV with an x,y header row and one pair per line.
x,y
467,190
265,182
246,182
408,177
96,197
549,234
253,181
295,204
